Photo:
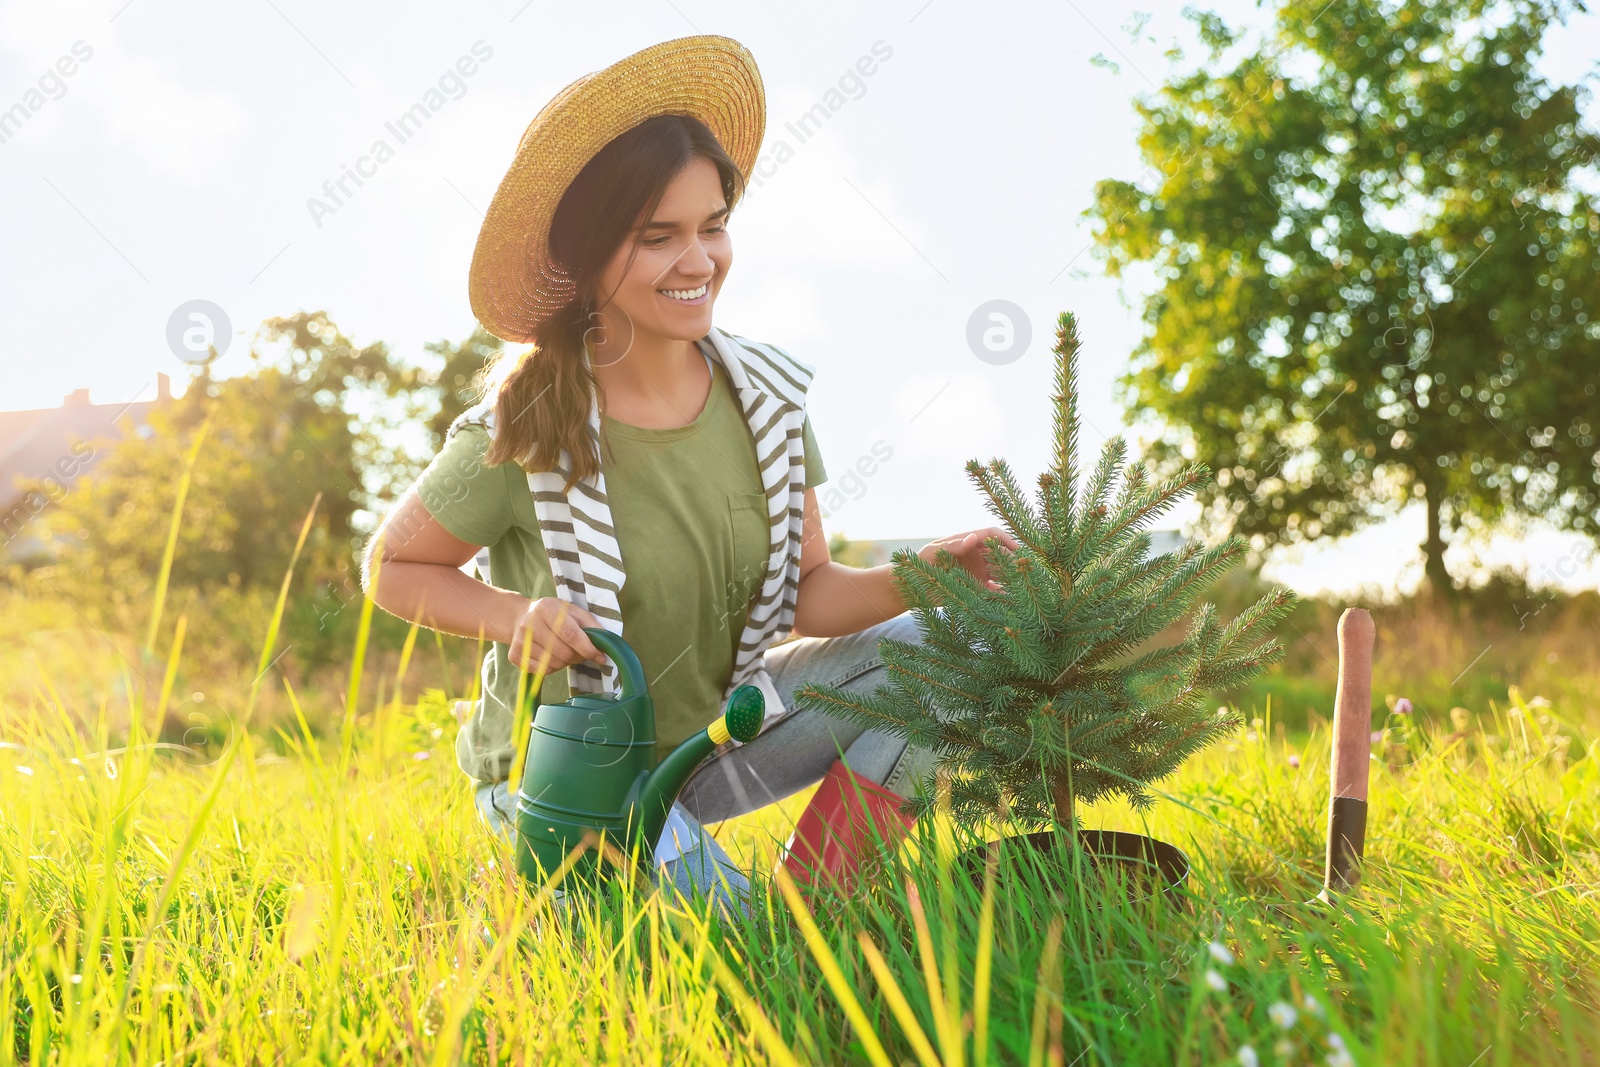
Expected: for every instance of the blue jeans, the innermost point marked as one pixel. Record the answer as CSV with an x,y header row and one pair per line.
x,y
792,755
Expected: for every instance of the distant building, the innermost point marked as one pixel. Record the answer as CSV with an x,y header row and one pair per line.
x,y
57,446
876,553
1164,541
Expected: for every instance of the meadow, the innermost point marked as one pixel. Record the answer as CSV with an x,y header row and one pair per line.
x,y
298,875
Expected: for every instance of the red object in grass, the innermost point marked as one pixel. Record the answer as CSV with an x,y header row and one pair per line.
x,y
834,838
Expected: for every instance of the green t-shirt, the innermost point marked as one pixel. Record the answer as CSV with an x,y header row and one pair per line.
x,y
690,516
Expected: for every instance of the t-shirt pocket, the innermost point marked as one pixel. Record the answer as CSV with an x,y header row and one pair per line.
x,y
751,539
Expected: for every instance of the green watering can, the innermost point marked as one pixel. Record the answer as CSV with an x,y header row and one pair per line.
x,y
591,766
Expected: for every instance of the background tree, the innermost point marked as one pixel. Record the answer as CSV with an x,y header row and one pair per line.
x,y
312,416
1375,239
1050,690
458,384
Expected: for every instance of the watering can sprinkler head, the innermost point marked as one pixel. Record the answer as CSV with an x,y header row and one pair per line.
x,y
591,768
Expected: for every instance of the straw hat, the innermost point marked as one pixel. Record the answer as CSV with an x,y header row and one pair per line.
x,y
513,285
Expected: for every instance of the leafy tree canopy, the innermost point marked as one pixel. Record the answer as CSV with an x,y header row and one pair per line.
x,y
459,382
316,415
1375,239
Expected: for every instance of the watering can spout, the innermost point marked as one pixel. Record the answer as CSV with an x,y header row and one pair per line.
x,y
741,720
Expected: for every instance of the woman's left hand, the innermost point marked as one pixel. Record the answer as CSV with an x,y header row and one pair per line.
x,y
968,549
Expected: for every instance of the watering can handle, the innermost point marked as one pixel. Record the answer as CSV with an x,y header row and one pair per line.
x,y
626,660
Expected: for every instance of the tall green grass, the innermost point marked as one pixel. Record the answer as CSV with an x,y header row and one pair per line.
x,y
313,885
1464,651
335,906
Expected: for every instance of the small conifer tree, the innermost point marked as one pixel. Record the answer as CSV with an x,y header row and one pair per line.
x,y
1047,689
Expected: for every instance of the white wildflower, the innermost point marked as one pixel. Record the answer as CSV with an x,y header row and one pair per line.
x,y
1220,953
1248,1057
1312,1005
1283,1014
1215,980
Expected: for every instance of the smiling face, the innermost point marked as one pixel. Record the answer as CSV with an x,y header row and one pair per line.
x,y
681,255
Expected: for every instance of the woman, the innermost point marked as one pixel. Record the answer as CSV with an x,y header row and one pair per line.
x,y
643,471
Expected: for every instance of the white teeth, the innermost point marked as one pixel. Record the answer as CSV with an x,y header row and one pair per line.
x,y
685,294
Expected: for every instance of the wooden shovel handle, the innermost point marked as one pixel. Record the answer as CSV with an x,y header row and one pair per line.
x,y
1352,711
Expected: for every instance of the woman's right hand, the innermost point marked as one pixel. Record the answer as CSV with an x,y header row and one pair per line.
x,y
552,624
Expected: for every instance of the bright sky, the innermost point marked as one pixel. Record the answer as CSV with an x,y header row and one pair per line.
x,y
176,161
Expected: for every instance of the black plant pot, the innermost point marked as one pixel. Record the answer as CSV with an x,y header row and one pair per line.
x,y
1146,867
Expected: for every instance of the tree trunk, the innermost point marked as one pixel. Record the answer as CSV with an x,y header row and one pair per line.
x,y
1061,791
1061,785
1436,577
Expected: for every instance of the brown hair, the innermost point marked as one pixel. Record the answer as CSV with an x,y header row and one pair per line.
x,y
542,403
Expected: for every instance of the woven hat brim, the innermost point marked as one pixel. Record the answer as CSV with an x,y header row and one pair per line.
x,y
513,286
